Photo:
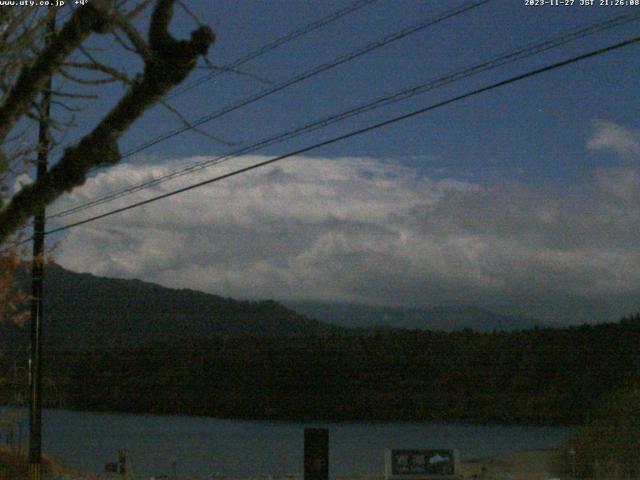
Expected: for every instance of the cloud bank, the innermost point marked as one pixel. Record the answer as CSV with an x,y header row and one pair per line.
x,y
370,231
612,136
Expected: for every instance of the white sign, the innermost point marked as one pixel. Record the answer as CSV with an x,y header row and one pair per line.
x,y
431,464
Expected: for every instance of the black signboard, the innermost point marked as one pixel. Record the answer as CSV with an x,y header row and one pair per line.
x,y
422,462
316,454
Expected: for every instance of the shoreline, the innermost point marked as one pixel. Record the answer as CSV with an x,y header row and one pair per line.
x,y
538,464
315,420
535,464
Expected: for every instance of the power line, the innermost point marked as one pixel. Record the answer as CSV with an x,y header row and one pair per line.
x,y
360,131
310,27
272,46
503,59
312,72
357,5
309,73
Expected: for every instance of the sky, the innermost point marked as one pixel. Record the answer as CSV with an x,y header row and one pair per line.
x,y
522,200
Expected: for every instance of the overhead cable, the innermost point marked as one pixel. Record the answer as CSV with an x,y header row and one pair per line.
x,y
309,73
355,6
466,72
357,132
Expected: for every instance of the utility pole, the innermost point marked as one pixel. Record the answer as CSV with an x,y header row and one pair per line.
x,y
37,276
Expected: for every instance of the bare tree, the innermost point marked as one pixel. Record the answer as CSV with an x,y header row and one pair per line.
x,y
26,62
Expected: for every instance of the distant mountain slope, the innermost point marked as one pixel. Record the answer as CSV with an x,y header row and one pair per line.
x,y
444,318
88,311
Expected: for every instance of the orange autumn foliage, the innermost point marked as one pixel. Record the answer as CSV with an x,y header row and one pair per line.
x,y
12,299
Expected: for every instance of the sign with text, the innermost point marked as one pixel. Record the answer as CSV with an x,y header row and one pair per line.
x,y
427,464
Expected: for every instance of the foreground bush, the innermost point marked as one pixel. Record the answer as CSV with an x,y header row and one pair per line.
x,y
608,446
13,465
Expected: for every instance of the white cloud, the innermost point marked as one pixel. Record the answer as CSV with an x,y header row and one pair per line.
x,y
20,182
615,137
356,229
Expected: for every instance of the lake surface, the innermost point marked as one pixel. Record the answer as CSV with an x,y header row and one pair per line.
x,y
199,446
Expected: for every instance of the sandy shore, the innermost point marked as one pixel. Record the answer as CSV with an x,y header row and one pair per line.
x,y
524,465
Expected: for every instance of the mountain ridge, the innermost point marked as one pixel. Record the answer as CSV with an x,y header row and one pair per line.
x,y
445,318
90,311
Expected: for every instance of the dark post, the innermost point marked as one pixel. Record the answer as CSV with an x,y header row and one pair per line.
x,y
122,461
316,454
37,273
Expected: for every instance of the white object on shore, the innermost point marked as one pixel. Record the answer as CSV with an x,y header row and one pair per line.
x,y
415,464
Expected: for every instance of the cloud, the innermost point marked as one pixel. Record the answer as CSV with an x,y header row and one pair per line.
x,y
615,137
20,182
364,230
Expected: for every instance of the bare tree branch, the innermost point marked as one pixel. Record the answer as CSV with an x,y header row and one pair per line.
x,y
132,34
134,12
190,126
92,17
241,73
188,11
168,63
86,81
101,67
60,93
120,41
68,108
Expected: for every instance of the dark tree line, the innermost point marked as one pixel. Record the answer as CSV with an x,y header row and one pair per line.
x,y
534,376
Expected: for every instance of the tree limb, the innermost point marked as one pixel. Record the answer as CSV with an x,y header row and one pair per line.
x,y
92,17
169,63
190,126
140,46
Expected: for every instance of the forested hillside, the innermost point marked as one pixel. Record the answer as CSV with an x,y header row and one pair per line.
x,y
89,312
535,376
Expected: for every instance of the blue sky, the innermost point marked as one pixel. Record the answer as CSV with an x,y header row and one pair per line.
x,y
534,128
523,199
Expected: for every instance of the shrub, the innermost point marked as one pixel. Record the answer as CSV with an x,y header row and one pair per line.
x,y
608,445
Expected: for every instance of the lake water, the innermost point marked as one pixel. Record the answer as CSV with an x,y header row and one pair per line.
x,y
198,446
